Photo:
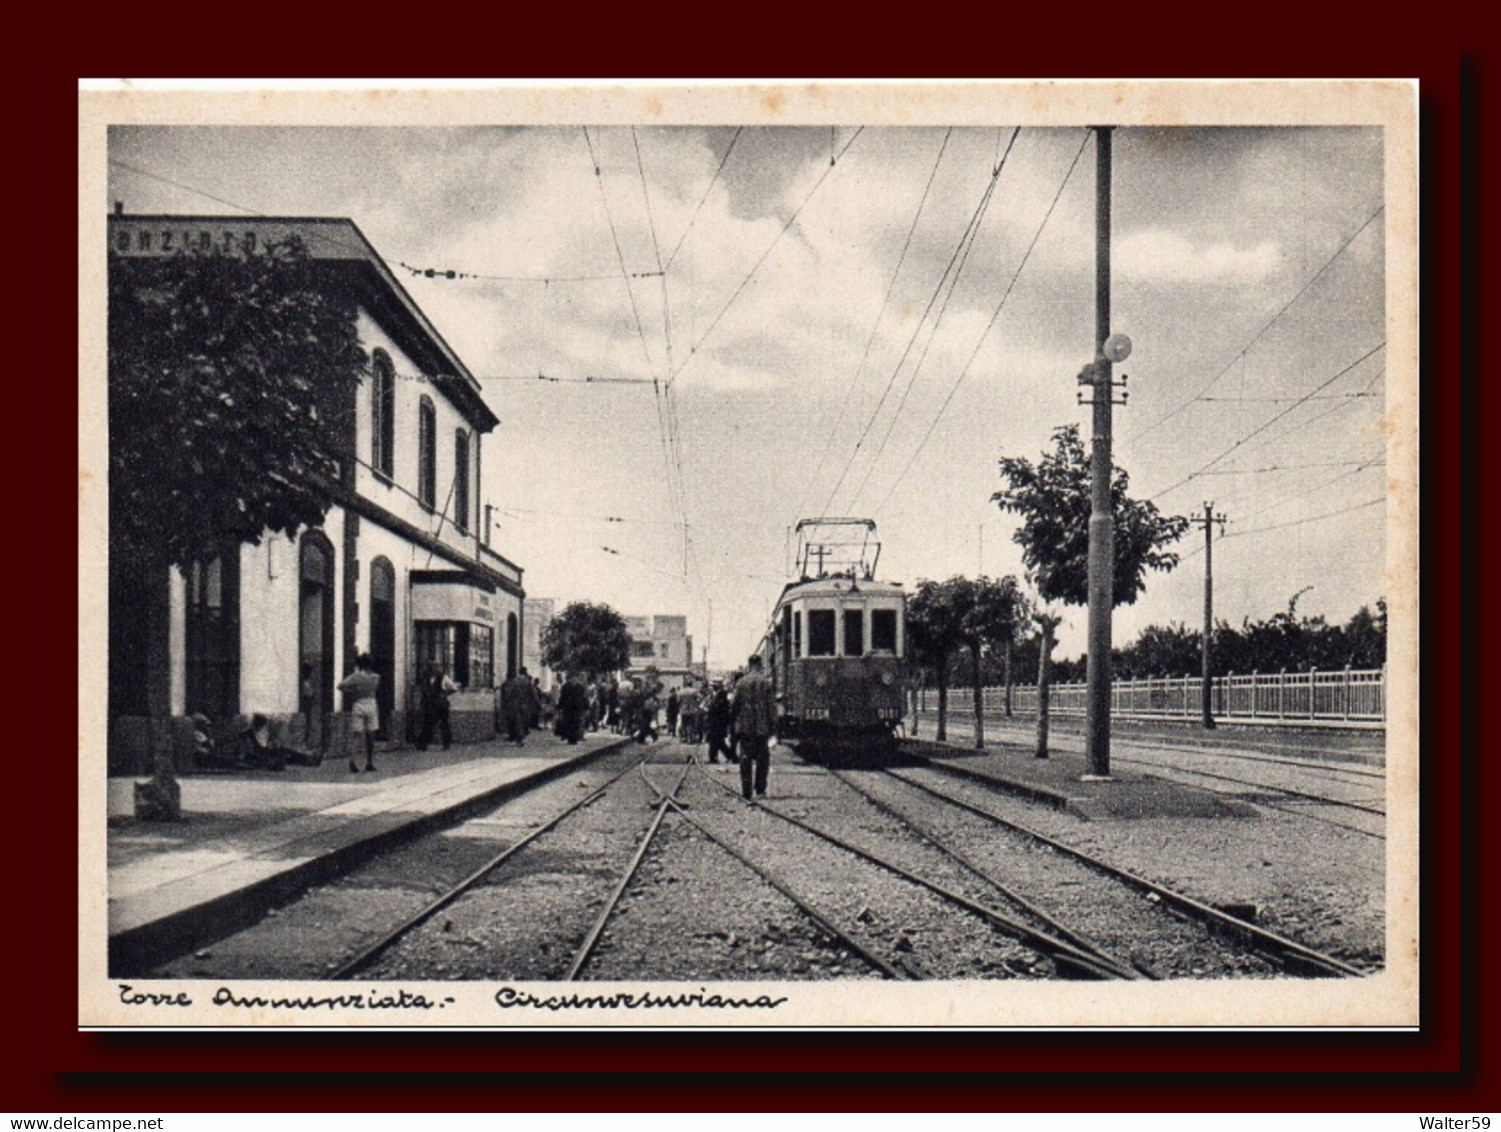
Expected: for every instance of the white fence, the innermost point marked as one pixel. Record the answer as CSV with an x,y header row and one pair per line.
x,y
1349,696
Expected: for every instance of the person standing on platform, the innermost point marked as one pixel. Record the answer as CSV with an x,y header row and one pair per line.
x,y
573,703
364,713
434,690
755,723
517,703
717,723
688,714
673,704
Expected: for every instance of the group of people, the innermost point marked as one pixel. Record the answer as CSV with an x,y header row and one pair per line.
x,y
736,721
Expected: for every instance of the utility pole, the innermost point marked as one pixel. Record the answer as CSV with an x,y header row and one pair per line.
x,y
1209,519
1108,349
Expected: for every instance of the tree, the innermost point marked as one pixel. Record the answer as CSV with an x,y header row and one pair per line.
x,y
1161,650
1047,624
227,373
586,637
990,611
231,379
934,634
1053,500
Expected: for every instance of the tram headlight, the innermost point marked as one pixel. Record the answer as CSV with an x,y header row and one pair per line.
x,y
821,680
888,679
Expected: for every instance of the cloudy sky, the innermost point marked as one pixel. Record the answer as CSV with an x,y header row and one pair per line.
x,y
859,321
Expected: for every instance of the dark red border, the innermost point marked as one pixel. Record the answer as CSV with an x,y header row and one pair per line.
x,y
51,1067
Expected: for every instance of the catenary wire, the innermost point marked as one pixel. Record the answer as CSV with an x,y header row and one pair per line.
x,y
896,413
870,341
1257,336
959,247
1270,421
693,349
986,332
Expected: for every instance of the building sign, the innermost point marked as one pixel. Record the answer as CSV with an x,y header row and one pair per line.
x,y
164,236
452,601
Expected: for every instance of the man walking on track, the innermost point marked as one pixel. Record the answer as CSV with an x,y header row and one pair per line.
x,y
717,723
755,722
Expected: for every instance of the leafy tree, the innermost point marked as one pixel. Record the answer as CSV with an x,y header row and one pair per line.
x,y
227,372
1161,650
991,611
1053,500
230,379
1047,625
586,637
935,614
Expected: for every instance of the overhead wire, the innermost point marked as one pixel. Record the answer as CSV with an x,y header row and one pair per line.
x,y
693,349
960,247
1308,519
885,300
1267,326
986,332
942,310
662,429
676,485
673,255
1270,421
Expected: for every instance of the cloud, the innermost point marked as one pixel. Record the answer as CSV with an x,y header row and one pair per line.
x,y
1161,255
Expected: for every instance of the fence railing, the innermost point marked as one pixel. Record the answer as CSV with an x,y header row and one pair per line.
x,y
1354,696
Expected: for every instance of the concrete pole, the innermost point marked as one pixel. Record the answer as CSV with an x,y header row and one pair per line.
x,y
1101,524
1206,646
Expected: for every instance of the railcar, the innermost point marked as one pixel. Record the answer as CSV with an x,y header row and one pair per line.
x,y
835,646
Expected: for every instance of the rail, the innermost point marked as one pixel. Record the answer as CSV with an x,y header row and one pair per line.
x,y
1354,697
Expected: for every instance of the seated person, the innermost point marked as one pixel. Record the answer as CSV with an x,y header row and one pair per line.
x,y
259,752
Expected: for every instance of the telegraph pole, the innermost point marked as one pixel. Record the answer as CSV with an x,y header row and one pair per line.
x,y
1209,519
1101,518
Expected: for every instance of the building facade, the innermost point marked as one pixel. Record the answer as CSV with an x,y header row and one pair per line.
x,y
400,567
537,614
662,642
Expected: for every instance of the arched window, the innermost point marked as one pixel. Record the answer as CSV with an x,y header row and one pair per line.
x,y
383,634
382,414
315,635
427,452
461,480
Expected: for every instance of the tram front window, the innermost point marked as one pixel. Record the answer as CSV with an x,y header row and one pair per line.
x,y
883,630
854,632
820,632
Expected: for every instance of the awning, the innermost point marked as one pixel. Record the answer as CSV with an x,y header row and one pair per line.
x,y
452,595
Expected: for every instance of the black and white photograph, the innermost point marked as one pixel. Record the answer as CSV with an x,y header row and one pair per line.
x,y
749,555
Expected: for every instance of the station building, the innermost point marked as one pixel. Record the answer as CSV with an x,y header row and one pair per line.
x,y
400,567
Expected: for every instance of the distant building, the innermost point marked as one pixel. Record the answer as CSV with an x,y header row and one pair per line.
x,y
662,642
537,614
400,567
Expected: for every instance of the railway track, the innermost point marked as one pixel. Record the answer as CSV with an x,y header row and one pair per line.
x,y
1071,955
1289,954
1286,797
373,951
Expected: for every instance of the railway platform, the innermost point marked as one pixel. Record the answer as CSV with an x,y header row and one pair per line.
x,y
250,840
1062,780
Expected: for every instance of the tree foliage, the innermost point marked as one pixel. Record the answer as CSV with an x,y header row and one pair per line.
x,y
224,369
1052,499
978,615
1283,641
586,637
